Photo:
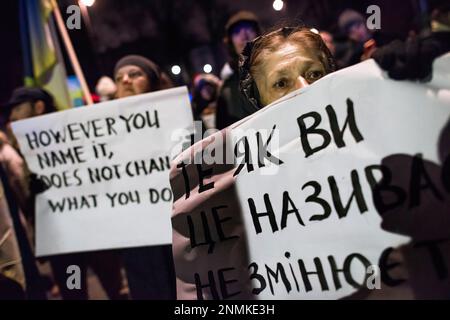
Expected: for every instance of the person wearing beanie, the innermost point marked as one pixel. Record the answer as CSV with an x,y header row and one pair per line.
x,y
150,270
353,25
204,101
241,28
25,103
135,75
353,30
360,41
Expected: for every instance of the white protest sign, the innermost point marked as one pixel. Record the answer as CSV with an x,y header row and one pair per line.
x,y
108,168
362,178
321,215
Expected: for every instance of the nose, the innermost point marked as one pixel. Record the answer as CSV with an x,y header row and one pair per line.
x,y
245,34
248,35
301,83
126,78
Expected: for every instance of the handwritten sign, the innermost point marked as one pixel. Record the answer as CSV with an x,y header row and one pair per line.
x,y
108,171
338,190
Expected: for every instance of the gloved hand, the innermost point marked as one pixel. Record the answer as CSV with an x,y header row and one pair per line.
x,y
410,60
37,185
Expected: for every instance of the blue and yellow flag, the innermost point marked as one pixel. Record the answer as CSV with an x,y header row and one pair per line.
x,y
42,59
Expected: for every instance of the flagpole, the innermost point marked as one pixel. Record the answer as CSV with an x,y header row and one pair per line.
x,y
71,52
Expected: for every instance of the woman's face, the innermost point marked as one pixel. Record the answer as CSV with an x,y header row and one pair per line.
x,y
131,80
289,68
241,34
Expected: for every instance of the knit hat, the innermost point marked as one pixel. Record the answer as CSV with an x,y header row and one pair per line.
x,y
149,67
348,18
30,94
242,16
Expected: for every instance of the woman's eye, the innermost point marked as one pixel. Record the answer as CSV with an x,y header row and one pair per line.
x,y
314,75
281,84
134,74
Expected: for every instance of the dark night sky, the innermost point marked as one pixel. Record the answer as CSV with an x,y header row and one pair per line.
x,y
185,32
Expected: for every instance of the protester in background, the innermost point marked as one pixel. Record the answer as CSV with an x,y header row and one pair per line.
x,y
206,89
150,270
352,25
12,276
27,103
440,19
231,106
282,61
16,180
360,41
139,75
413,58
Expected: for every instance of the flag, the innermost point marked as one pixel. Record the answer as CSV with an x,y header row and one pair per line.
x,y
42,59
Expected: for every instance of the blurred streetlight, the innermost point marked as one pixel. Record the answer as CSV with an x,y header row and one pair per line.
x,y
83,4
90,31
278,5
176,70
207,68
88,3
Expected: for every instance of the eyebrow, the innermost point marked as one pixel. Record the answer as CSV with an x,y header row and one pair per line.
x,y
132,69
286,70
